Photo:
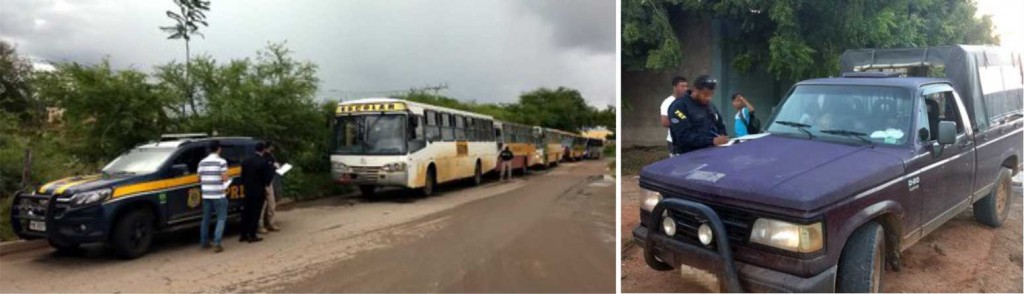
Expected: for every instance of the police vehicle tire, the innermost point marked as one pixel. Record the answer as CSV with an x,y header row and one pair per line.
x,y
133,234
478,176
993,209
862,262
367,190
64,247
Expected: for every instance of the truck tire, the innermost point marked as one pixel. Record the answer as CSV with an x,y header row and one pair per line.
x,y
367,190
862,262
65,248
993,209
133,234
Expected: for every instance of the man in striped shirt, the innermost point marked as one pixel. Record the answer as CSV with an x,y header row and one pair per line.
x,y
213,173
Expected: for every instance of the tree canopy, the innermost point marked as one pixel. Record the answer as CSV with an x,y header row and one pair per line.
x,y
798,39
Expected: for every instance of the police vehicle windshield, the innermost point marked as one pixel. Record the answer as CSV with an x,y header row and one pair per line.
x,y
870,114
370,134
139,161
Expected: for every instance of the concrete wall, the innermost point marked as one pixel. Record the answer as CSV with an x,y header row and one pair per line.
x,y
642,92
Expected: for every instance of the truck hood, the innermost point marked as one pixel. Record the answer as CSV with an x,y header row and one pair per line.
x,y
781,172
72,185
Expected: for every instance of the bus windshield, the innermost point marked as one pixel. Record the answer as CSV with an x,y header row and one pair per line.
x,y
381,134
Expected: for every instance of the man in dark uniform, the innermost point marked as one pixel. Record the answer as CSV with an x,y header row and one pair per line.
x,y
256,175
694,122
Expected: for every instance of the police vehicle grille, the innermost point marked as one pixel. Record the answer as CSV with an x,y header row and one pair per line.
x,y
737,225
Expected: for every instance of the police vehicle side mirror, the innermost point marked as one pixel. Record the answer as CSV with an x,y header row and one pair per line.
x,y
180,169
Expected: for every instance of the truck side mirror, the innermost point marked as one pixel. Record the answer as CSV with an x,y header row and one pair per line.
x,y
947,132
180,169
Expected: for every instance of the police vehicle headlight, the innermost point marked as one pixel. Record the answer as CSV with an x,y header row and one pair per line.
x,y
341,167
788,236
649,199
394,167
90,197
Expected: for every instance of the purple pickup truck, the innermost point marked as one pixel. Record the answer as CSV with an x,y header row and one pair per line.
x,y
854,170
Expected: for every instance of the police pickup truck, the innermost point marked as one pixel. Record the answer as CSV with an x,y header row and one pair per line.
x,y
149,189
854,170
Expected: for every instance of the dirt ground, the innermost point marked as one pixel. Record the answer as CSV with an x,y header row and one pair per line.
x,y
960,256
550,232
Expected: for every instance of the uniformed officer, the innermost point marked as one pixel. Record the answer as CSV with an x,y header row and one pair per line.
x,y
694,122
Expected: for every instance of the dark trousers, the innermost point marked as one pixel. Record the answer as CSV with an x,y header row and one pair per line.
x,y
251,210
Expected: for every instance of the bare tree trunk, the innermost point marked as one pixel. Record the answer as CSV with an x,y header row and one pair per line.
x,y
188,77
26,168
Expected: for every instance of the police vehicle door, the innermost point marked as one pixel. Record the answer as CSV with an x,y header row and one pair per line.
x,y
184,203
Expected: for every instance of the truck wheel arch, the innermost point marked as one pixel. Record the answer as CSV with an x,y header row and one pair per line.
x,y
131,205
887,214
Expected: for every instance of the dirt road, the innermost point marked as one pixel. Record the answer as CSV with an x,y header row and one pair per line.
x,y
551,231
961,256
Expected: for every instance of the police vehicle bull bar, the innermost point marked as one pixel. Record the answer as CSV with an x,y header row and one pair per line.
x,y
719,257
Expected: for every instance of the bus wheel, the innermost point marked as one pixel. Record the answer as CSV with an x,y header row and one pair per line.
x,y
367,190
428,184
477,175
133,234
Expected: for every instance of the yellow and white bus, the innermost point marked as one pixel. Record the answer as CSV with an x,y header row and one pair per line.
x,y
393,142
525,143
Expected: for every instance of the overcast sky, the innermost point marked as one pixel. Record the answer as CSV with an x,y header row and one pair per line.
x,y
488,51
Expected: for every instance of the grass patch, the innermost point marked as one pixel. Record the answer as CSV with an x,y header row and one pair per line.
x,y
634,159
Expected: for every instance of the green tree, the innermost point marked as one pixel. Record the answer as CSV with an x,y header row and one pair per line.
x,y
187,22
798,39
106,111
15,90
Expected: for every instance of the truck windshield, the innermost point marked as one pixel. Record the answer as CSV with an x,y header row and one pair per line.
x,y
874,114
139,161
380,134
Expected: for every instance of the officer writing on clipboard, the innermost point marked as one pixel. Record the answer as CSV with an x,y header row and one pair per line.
x,y
695,123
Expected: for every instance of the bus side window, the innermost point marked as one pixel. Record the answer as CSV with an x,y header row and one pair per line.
x,y
460,128
448,127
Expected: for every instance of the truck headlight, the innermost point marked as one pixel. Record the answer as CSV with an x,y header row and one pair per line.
x,y
90,197
649,199
340,167
788,236
394,167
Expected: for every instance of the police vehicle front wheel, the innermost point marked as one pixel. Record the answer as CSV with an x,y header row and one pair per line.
x,y
862,262
133,234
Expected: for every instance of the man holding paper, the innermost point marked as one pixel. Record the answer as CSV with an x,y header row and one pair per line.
x,y
256,176
694,122
270,209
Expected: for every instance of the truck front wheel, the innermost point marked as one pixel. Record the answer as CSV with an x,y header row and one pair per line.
x,y
993,209
863,261
133,234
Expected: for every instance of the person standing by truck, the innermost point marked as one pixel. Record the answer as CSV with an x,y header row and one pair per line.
x,y
746,123
256,176
506,162
694,122
679,88
270,208
213,173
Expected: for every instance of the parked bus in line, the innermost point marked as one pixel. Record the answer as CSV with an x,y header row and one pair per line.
x,y
381,142
523,141
559,143
595,148
578,148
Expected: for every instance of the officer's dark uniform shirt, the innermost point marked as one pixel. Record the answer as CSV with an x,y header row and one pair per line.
x,y
693,125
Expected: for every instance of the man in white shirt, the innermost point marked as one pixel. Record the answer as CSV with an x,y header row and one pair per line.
x,y
679,87
213,173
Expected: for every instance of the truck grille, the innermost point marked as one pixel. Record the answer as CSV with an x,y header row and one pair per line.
x,y
737,225
365,169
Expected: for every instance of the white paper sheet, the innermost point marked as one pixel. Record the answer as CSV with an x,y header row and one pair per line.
x,y
284,169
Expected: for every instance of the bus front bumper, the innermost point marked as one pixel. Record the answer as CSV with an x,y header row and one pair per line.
x,y
374,179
